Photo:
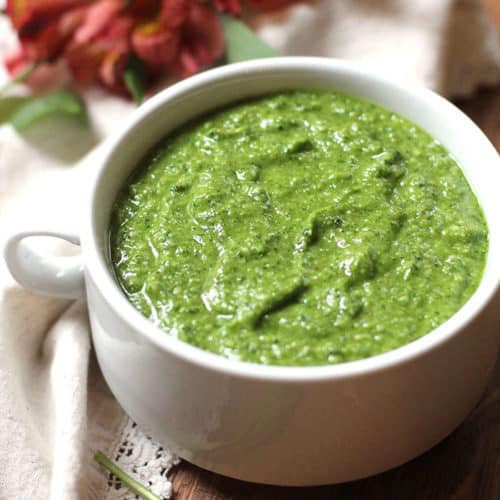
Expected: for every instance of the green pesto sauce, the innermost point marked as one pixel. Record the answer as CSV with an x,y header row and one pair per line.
x,y
302,228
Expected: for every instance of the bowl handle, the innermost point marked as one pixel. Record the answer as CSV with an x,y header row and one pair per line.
x,y
49,275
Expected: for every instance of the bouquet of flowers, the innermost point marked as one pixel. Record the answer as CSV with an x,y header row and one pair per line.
x,y
127,45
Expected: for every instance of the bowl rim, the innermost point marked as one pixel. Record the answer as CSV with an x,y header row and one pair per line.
x,y
98,270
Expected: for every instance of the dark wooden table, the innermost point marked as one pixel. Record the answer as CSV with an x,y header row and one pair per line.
x,y
465,466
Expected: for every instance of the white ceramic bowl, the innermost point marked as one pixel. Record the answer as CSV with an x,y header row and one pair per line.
x,y
280,425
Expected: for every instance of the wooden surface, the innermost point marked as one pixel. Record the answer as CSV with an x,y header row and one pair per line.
x,y
465,466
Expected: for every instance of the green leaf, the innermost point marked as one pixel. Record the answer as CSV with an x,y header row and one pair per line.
x,y
10,105
242,43
134,485
134,78
61,102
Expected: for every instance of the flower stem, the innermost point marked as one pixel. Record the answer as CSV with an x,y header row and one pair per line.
x,y
134,485
20,78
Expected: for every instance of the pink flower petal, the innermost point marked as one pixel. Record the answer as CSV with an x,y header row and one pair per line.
x,y
202,40
96,19
270,4
155,44
231,6
174,12
29,16
16,62
84,62
112,69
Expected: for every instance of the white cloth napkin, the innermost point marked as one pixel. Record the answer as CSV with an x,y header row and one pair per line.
x,y
55,409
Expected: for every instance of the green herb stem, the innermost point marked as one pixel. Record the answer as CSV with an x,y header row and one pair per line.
x,y
134,78
134,485
20,78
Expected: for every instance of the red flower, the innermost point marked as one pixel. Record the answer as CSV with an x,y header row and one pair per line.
x,y
231,6
202,41
98,38
269,4
28,16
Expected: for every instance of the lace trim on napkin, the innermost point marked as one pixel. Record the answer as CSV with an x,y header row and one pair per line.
x,y
142,458
119,437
